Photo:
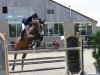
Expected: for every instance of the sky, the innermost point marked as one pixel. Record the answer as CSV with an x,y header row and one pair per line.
x,y
90,8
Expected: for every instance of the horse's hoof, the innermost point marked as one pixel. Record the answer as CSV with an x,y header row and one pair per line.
x,y
12,68
21,69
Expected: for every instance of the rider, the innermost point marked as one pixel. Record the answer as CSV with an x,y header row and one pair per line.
x,y
25,22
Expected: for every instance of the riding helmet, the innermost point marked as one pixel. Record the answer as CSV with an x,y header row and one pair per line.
x,y
35,15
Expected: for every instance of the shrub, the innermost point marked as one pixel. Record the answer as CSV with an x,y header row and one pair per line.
x,y
96,47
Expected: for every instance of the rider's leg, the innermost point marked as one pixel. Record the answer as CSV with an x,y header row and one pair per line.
x,y
23,31
22,34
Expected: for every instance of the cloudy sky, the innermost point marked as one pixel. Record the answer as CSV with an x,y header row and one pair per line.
x,y
90,8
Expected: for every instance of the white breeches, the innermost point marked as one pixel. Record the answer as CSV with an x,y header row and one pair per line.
x,y
23,26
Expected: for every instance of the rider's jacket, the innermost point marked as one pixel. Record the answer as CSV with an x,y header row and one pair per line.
x,y
26,21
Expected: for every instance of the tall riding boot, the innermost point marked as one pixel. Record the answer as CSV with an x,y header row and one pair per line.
x,y
22,34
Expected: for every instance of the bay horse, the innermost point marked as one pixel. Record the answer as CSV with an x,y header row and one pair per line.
x,y
32,34
38,42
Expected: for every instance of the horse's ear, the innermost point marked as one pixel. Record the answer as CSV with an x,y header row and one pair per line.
x,y
44,20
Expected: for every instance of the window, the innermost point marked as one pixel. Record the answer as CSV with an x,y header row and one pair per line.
x,y
50,11
14,30
4,10
53,29
19,29
56,31
76,28
45,30
89,29
83,29
61,30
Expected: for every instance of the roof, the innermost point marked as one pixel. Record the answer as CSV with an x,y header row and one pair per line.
x,y
73,10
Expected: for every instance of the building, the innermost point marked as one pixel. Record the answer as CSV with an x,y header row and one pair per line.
x,y
59,19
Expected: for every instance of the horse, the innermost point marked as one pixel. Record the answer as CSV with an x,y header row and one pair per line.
x,y
32,35
38,42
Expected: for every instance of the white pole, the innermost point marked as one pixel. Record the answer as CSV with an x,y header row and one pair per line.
x,y
70,12
82,59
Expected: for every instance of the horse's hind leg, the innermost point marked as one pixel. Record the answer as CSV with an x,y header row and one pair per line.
x,y
23,57
15,55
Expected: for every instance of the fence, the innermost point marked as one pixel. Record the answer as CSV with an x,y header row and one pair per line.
x,y
50,58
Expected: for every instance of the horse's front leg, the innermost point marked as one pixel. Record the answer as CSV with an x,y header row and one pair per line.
x,y
15,55
23,57
33,45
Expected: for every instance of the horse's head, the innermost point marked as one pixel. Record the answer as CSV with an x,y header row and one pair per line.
x,y
42,22
33,29
36,23
39,24
42,26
